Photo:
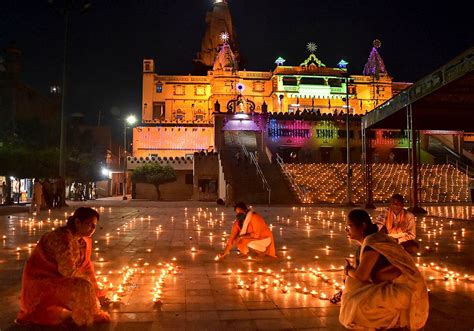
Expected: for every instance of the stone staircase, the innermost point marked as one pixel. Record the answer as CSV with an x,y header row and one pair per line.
x,y
246,183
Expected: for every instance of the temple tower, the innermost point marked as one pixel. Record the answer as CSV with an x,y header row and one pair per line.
x,y
377,80
375,65
218,23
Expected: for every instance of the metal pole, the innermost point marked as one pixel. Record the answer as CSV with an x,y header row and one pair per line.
x,y
367,166
415,208
62,143
124,189
348,146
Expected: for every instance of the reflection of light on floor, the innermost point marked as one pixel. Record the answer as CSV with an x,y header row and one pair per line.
x,y
301,276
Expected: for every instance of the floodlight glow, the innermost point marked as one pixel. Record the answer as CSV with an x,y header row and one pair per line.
x,y
241,116
105,171
131,119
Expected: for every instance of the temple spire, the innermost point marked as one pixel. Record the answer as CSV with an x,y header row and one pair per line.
x,y
218,23
225,59
375,65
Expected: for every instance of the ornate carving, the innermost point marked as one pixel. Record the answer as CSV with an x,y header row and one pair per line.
x,y
240,104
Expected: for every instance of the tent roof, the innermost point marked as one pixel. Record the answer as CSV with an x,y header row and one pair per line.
x,y
443,100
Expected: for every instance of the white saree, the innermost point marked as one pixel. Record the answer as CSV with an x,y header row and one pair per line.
x,y
400,303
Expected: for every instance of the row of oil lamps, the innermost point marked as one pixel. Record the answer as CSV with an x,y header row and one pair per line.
x,y
117,292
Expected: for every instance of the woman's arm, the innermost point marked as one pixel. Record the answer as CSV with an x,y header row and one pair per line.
x,y
387,274
365,267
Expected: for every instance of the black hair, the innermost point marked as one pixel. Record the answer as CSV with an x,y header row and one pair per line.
x,y
398,197
82,214
241,205
359,217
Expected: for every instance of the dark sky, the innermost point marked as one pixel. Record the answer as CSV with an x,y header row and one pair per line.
x,y
109,42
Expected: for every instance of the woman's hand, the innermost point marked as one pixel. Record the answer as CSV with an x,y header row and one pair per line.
x,y
104,301
348,267
222,255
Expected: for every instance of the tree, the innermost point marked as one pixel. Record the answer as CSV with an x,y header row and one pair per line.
x,y
155,174
25,162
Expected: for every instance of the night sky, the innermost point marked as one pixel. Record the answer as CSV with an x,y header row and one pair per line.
x,y
109,42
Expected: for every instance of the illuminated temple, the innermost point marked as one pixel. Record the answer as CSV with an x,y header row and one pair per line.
x,y
295,111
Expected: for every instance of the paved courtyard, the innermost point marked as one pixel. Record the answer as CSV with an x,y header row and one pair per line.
x,y
158,262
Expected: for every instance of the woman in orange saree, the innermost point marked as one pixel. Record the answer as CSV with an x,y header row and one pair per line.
x,y
58,279
250,231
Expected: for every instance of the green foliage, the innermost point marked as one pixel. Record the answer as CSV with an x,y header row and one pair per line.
x,y
154,174
24,162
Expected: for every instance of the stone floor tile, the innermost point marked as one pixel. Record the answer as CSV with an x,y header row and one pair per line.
x,y
266,313
256,305
238,325
273,324
200,316
133,326
234,315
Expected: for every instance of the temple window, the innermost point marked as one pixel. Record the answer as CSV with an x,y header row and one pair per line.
x,y
334,82
312,81
158,110
290,81
258,87
179,90
200,90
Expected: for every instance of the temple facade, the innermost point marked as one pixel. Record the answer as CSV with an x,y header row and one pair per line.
x,y
178,111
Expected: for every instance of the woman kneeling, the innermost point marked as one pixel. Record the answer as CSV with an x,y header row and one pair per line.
x,y
384,290
58,279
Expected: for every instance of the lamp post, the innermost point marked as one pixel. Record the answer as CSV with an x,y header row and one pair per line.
x,y
343,65
130,120
66,9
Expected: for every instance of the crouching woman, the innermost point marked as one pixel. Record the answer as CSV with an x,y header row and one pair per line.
x,y
58,280
385,289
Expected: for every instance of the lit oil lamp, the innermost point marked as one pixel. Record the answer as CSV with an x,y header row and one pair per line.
x,y
115,300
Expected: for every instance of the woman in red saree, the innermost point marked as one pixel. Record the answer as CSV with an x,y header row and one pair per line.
x,y
58,279
250,231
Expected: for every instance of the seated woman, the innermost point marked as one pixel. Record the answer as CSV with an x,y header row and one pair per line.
x,y
385,290
250,231
58,279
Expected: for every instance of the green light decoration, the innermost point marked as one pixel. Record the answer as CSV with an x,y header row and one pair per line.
x,y
312,61
280,61
325,132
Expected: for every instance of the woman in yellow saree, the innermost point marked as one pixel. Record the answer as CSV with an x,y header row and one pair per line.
x,y
385,290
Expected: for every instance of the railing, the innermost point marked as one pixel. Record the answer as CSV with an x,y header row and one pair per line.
x,y
266,186
292,181
253,159
461,166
